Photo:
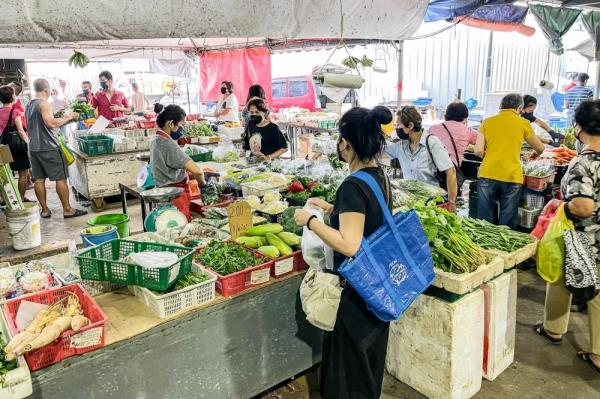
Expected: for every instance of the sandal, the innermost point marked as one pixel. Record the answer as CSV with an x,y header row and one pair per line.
x,y
585,356
539,330
47,215
78,212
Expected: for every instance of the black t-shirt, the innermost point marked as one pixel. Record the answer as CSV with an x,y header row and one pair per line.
x,y
269,138
354,195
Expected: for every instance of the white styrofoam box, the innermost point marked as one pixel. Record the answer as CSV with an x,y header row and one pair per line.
x,y
521,255
436,347
467,282
500,299
16,383
509,258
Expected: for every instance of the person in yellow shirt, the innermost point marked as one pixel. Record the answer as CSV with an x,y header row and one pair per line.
x,y
501,174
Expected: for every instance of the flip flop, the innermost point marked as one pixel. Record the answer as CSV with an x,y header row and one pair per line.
x,y
585,356
539,329
46,216
78,212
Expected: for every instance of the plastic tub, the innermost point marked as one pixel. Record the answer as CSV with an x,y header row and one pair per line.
x,y
24,227
96,235
119,220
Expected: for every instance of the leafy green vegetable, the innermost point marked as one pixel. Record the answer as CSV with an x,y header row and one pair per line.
x,y
288,221
5,365
81,108
226,258
198,130
211,194
490,236
190,279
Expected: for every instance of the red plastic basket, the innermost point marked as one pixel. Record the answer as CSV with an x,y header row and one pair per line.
x,y
538,183
192,117
197,205
287,265
69,343
146,124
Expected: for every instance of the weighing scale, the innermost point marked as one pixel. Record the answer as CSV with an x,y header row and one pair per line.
x,y
165,215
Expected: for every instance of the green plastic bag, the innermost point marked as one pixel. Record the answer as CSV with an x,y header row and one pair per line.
x,y
551,250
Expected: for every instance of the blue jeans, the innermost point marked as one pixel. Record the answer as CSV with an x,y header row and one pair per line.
x,y
507,195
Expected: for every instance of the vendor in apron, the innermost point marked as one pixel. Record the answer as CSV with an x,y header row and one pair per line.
x,y
171,167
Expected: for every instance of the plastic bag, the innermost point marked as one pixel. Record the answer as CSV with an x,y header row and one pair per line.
x,y
225,151
314,251
551,250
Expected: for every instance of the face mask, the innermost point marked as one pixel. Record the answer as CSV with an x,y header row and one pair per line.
x,y
401,133
223,90
339,153
577,133
528,115
256,118
177,134
104,84
86,92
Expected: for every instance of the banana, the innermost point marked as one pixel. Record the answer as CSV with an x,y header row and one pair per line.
x,y
78,60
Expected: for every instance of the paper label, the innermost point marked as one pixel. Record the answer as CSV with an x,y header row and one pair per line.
x,y
91,337
259,276
284,266
240,218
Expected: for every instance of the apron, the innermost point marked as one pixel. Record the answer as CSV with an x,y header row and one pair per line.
x,y
182,203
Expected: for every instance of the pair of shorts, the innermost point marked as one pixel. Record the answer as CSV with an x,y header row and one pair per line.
x,y
49,164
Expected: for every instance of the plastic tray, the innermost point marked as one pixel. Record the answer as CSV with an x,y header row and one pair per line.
x,y
205,157
249,189
17,382
277,218
288,265
534,199
174,302
240,281
69,343
103,263
95,144
538,183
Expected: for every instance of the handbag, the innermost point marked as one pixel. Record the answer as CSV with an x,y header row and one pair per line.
x,y
394,265
460,176
441,176
581,272
320,294
11,137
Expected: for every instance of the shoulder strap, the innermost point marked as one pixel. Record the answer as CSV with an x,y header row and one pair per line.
x,y
430,154
8,126
453,144
376,189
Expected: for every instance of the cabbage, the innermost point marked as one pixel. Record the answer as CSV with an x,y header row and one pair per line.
x,y
271,196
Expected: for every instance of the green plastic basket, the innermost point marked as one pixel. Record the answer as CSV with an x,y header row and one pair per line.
x,y
205,157
105,262
95,144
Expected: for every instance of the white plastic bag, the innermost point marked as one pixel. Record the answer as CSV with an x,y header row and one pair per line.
x,y
315,252
225,151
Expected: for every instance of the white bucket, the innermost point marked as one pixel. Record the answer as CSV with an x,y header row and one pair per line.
x,y
24,227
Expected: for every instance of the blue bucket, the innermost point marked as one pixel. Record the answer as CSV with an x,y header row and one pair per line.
x,y
97,235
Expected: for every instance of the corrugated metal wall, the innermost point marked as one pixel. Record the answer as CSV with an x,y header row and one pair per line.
x,y
457,59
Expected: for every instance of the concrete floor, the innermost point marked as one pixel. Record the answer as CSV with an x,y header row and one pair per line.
x,y
540,370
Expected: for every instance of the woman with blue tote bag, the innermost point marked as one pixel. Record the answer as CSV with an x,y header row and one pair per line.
x,y
354,352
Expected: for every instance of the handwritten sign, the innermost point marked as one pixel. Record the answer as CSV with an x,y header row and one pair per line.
x,y
91,337
240,218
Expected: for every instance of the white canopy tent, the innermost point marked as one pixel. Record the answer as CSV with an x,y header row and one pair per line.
x,y
115,29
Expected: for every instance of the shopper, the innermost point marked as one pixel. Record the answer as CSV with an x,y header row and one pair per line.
x,y
354,352
12,133
581,189
227,106
455,132
111,103
529,106
422,155
579,93
501,174
170,165
47,159
21,102
253,92
86,94
263,137
573,81
139,100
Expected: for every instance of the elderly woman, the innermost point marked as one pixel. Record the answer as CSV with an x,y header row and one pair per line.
x,y
581,190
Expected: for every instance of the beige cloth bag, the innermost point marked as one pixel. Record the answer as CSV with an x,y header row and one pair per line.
x,y
320,294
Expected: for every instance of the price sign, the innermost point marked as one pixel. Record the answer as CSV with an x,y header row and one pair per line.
x,y
240,218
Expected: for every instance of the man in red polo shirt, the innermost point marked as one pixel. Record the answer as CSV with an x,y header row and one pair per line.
x,y
110,103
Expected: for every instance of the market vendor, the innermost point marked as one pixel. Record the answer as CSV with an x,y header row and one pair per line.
x,y
227,106
111,103
421,155
263,137
171,167
529,106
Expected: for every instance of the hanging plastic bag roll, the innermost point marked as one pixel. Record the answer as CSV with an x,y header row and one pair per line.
x,y
341,80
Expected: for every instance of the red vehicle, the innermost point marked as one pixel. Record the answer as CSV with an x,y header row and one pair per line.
x,y
295,91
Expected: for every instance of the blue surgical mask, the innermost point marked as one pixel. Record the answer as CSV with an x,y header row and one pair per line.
x,y
177,134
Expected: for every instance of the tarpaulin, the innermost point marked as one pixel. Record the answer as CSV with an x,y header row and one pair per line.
x,y
449,9
555,22
501,13
591,20
181,68
243,67
498,26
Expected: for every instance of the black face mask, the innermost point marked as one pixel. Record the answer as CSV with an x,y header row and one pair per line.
x,y
528,115
256,118
401,133
86,92
104,85
223,90
339,153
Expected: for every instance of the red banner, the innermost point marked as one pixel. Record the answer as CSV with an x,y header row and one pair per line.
x,y
243,67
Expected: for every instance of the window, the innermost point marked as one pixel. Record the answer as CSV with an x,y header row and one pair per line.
x,y
278,87
298,88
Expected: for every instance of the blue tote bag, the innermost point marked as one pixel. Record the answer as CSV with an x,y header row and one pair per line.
x,y
394,264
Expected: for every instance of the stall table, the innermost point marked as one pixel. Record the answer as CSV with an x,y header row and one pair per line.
x,y
294,131
231,348
99,176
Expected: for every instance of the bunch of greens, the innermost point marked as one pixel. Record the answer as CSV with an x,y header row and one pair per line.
x,y
226,258
5,365
418,189
490,236
81,108
190,279
452,248
335,162
198,130
211,194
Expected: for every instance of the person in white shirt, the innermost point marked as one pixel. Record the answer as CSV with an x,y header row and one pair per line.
x,y
227,107
139,100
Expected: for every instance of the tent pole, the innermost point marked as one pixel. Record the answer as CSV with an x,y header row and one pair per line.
x,y
400,54
187,89
597,59
488,70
